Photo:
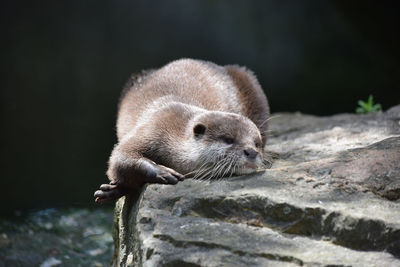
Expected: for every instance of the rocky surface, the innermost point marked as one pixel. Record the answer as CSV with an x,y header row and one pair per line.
x,y
57,237
331,198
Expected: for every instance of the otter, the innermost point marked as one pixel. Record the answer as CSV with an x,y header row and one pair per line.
x,y
190,118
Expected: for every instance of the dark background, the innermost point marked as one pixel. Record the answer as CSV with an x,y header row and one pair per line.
x,y
63,64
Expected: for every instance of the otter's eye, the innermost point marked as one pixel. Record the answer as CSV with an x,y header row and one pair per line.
x,y
227,140
199,130
258,144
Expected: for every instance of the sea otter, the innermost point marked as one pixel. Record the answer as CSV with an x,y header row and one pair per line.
x,y
190,118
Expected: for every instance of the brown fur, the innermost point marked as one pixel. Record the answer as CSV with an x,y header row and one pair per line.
x,y
255,105
158,112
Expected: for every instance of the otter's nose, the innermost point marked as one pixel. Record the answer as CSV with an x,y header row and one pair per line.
x,y
250,153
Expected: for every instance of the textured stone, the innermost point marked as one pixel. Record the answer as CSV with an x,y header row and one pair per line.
x,y
332,197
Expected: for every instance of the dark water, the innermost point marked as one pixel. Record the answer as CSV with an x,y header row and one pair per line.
x,y
64,62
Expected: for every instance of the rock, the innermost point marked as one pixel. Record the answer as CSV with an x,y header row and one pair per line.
x,y
26,241
50,262
331,198
4,241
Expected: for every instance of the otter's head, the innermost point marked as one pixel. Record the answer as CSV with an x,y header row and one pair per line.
x,y
225,144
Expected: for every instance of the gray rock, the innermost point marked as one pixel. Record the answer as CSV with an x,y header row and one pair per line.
x,y
332,197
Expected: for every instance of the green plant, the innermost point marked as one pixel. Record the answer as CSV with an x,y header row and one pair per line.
x,y
368,107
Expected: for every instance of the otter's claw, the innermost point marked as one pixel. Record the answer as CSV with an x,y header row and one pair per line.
x,y
109,193
163,175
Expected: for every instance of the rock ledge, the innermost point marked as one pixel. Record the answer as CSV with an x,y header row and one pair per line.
x,y
331,198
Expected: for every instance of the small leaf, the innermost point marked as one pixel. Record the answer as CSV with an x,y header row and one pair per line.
x,y
364,106
359,110
377,107
370,100
368,107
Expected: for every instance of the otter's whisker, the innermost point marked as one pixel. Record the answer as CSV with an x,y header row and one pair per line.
x,y
228,168
232,172
209,174
234,167
227,163
220,168
189,173
205,173
199,172
272,117
203,168
213,173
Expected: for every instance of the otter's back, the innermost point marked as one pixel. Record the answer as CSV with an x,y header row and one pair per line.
x,y
193,82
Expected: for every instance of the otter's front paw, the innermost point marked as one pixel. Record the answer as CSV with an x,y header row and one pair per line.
x,y
161,175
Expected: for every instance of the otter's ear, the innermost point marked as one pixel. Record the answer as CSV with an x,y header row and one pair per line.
x,y
199,130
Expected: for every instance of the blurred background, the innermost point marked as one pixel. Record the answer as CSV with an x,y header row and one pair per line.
x,y
65,62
